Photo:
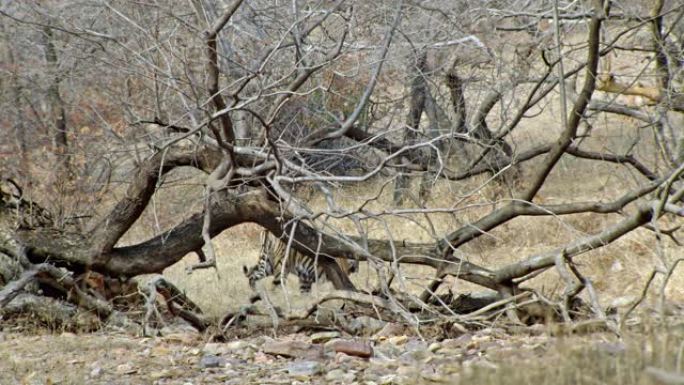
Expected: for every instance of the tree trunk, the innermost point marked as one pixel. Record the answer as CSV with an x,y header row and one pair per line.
x,y
417,105
59,133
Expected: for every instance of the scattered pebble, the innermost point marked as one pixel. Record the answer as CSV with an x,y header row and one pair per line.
x,y
318,338
319,358
96,372
340,375
435,346
238,345
398,340
304,368
214,348
126,369
390,330
212,361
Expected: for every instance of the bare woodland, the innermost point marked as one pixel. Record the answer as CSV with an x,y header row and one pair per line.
x,y
273,108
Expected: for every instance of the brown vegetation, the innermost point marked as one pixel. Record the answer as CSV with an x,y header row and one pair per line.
x,y
469,154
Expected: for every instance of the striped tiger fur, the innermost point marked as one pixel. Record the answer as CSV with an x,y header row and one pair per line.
x,y
271,263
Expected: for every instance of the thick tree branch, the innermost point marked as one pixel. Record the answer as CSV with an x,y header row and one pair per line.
x,y
104,235
641,217
522,208
616,108
228,138
458,103
156,254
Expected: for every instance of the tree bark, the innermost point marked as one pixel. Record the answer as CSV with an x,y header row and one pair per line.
x,y
416,107
57,109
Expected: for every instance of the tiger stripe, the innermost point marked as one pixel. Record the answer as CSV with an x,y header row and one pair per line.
x,y
271,258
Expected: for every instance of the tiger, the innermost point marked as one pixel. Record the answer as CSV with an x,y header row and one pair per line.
x,y
305,267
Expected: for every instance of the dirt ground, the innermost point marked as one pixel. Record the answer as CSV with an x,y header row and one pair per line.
x,y
487,356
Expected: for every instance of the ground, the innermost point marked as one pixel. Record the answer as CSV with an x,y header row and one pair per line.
x,y
487,356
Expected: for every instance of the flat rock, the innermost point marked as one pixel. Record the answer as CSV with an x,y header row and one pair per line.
x,y
448,352
414,356
414,344
398,340
96,372
126,369
339,375
390,330
435,346
351,348
293,349
496,332
211,361
431,375
183,337
319,338
457,343
387,379
166,373
239,346
367,325
304,368
388,350
214,348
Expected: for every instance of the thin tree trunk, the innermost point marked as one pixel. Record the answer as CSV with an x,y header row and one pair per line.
x,y
455,85
663,80
59,134
19,127
497,152
437,120
418,89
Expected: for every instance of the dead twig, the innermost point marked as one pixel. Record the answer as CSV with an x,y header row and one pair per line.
x,y
572,288
503,302
644,291
359,298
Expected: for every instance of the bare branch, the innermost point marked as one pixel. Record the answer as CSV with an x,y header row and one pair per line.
x,y
570,131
